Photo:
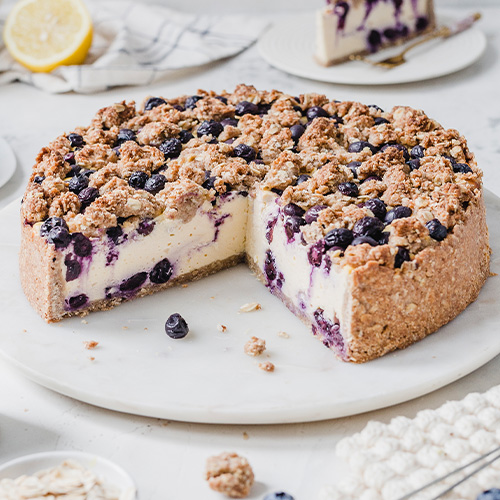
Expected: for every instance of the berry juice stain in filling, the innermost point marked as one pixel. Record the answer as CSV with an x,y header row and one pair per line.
x,y
329,332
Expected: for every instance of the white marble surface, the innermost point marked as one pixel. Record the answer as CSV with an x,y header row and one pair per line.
x,y
166,458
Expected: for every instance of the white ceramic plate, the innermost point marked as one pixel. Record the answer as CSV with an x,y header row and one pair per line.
x,y
206,377
108,471
7,162
289,45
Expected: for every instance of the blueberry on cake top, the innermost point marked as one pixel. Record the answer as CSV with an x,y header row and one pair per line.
x,y
349,27
368,224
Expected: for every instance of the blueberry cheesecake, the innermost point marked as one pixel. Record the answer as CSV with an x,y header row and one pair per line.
x,y
349,27
368,224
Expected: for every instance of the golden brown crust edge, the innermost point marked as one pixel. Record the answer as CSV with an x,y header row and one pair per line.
x,y
422,296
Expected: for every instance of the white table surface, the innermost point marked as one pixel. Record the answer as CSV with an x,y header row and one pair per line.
x,y
166,459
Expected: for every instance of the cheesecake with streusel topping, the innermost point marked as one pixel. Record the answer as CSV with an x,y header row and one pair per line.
x,y
368,224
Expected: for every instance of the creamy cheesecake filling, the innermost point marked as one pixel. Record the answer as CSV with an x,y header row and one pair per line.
x,y
345,28
121,264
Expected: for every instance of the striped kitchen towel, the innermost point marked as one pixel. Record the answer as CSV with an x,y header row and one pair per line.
x,y
139,44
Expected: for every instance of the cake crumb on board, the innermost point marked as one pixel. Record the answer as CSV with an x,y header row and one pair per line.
x,y
90,344
229,474
255,346
250,306
267,366
221,328
283,335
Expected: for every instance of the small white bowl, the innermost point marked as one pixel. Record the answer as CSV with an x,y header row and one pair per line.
x,y
110,472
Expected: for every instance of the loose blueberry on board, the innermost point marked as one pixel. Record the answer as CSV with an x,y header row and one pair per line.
x,y
76,140
339,237
171,148
133,282
281,495
161,272
210,127
492,494
176,326
436,230
353,166
461,168
82,246
247,108
402,255
73,268
229,122
88,195
364,239
185,136
302,178
78,301
146,227
368,226
246,152
138,180
316,112
414,164
191,101
297,130
59,236
50,224
377,207
349,189
399,212
292,209
357,147
155,183
417,151
125,135
153,102
313,213
397,146
78,183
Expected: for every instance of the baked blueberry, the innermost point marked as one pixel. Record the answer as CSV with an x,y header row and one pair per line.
x,y
191,101
133,282
368,226
379,120
247,108
185,136
315,253
161,272
233,122
78,183
59,236
176,326
50,224
377,207
349,189
155,183
153,102
38,179
88,195
462,168
70,157
422,23
417,151
357,147
210,127
492,494
246,152
125,135
359,240
138,180
78,301
353,166
73,268
399,212
374,39
76,140
115,234
221,98
281,495
313,213
316,112
82,246
339,237
292,226
375,106
436,230
270,266
292,209
402,255
146,227
414,163
171,148
297,130
397,146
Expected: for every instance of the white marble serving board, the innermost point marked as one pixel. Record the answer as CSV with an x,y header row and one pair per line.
x,y
206,377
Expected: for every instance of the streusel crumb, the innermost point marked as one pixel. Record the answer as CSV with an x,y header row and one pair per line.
x,y
230,474
90,344
250,307
267,366
255,346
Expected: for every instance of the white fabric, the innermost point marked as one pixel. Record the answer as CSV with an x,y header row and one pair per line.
x,y
388,461
139,44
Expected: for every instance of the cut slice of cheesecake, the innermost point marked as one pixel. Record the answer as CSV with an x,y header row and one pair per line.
x,y
368,225
346,28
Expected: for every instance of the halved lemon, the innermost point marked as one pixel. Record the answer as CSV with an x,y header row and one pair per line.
x,y
45,34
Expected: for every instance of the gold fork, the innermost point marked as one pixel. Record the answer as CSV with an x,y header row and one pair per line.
x,y
399,59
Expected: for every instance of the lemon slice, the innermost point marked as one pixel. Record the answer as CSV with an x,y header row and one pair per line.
x,y
45,34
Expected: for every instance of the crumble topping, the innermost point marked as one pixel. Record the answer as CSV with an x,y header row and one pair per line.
x,y
230,474
309,150
266,366
255,346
